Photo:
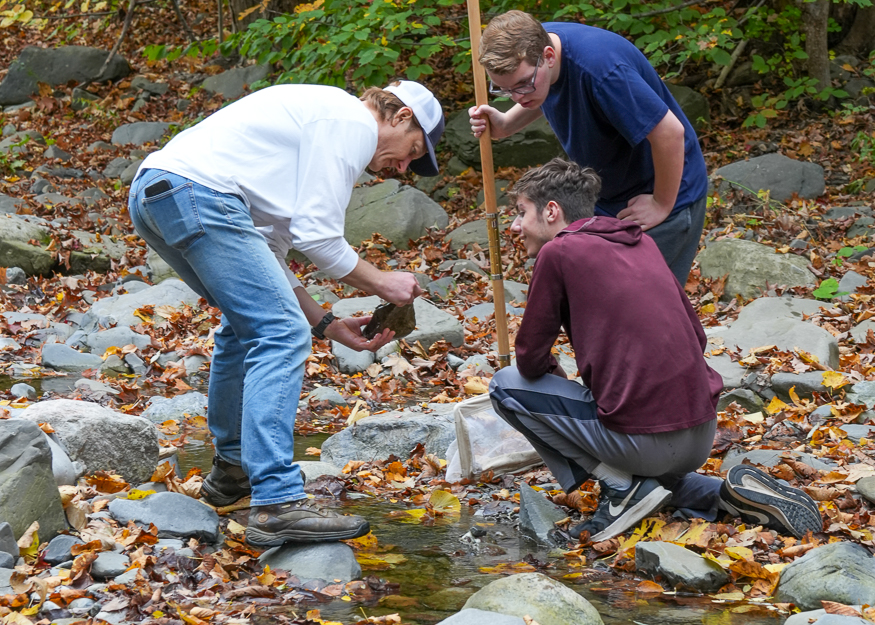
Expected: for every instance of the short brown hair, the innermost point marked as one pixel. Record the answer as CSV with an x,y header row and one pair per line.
x,y
574,188
510,39
387,105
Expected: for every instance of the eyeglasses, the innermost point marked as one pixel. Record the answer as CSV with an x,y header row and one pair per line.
x,y
524,90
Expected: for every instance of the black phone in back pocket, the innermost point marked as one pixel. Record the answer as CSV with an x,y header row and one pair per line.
x,y
157,188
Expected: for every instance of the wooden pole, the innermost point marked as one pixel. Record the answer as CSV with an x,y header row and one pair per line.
x,y
488,169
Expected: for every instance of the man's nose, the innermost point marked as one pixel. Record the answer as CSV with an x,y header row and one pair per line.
x,y
515,226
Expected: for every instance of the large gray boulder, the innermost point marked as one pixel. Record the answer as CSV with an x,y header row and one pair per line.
x,y
693,104
28,491
679,567
120,310
139,133
15,251
779,175
174,515
231,83
398,212
100,438
842,572
533,594
56,66
327,561
393,433
472,616
750,266
778,321
534,145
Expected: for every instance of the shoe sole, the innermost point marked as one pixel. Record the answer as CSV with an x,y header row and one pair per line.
x,y
652,502
792,508
258,538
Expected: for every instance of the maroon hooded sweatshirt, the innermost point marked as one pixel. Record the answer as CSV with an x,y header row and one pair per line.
x,y
637,339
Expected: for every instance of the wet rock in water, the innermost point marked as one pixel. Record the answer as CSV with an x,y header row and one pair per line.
x,y
393,433
109,564
326,561
450,599
23,390
842,572
679,567
64,358
473,616
536,595
401,319
101,438
162,409
28,491
60,548
537,515
175,515
314,469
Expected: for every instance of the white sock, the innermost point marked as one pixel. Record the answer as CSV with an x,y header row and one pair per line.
x,y
613,478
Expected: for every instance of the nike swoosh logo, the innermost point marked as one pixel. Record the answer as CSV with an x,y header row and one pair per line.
x,y
616,511
762,518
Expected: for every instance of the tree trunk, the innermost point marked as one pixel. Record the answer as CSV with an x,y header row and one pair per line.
x,y
815,16
266,9
860,39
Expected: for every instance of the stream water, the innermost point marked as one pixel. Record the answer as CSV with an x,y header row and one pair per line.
x,y
441,570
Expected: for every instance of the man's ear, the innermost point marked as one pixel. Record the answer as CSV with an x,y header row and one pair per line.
x,y
553,212
403,114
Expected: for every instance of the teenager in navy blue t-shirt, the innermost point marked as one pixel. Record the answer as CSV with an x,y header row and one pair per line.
x,y
610,111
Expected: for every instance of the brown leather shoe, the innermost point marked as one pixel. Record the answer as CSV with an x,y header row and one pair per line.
x,y
301,521
225,484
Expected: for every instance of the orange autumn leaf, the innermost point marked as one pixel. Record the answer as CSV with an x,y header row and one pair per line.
x,y
648,586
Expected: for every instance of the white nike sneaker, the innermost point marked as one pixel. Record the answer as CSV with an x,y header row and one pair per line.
x,y
621,509
760,499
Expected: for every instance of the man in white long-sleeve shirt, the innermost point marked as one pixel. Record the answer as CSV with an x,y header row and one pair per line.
x,y
222,203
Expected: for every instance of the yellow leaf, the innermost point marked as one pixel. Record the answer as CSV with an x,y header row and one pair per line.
x,y
793,396
776,405
235,528
708,309
834,379
157,614
358,412
28,544
729,596
445,502
739,553
409,516
382,562
476,386
140,494
755,417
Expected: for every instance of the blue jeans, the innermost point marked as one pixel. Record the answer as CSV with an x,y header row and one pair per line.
x,y
260,351
678,238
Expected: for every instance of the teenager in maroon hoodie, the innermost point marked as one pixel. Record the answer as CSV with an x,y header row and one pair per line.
x,y
644,419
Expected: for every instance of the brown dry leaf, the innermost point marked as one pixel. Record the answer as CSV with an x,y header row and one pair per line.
x,y
67,494
82,564
106,482
249,591
79,549
529,620
833,607
164,470
46,427
647,587
202,613
26,540
313,451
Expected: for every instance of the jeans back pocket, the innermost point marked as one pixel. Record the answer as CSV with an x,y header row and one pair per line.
x,y
175,213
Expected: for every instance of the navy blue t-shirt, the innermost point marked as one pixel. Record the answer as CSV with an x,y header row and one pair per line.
x,y
606,101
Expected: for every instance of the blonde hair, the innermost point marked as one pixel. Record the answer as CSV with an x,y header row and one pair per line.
x,y
387,105
510,39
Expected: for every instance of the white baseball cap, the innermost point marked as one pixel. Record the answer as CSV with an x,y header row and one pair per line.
x,y
429,114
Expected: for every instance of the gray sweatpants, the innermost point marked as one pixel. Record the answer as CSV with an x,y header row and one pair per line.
x,y
559,419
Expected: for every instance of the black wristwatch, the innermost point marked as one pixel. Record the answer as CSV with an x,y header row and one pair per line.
x,y
319,328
